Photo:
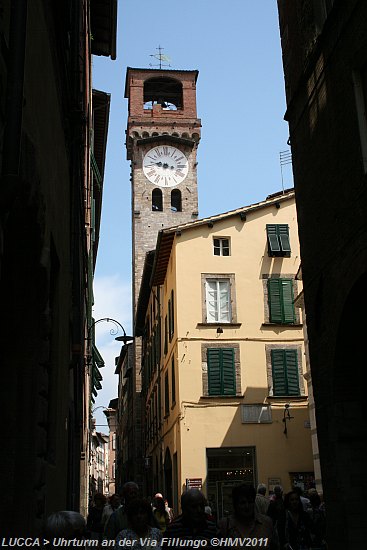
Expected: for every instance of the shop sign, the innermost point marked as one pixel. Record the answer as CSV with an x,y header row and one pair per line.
x,y
194,483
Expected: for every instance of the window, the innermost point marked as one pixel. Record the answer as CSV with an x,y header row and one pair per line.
x,y
176,203
280,298
165,335
221,371
173,381
171,318
278,240
166,395
157,200
284,364
218,306
256,414
221,247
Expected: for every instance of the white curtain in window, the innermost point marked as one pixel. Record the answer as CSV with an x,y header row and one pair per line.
x,y
217,300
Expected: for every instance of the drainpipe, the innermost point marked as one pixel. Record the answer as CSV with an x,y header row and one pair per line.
x,y
10,181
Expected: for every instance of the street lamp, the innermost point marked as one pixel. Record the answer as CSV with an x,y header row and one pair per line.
x,y
124,338
286,418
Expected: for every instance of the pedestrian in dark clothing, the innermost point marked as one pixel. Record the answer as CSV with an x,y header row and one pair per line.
x,y
94,519
192,524
295,528
66,524
246,522
276,508
318,520
118,519
140,534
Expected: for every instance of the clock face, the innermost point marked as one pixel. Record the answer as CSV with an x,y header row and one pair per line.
x,y
165,166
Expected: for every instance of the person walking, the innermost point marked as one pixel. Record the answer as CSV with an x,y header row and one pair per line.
x,y
318,520
113,503
276,508
118,519
261,501
160,513
139,533
94,519
295,527
192,524
246,522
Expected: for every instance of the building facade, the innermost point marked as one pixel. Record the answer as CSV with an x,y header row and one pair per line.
x,y
111,415
223,355
50,201
325,67
162,137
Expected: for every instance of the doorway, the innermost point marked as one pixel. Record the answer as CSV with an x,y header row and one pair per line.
x,y
227,467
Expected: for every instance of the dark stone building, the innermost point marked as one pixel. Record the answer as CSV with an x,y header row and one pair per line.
x,y
324,45
50,201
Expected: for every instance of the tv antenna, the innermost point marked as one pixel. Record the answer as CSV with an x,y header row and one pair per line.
x,y
161,57
285,157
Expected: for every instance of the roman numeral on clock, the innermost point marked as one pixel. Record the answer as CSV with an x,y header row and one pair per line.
x,y
151,173
165,151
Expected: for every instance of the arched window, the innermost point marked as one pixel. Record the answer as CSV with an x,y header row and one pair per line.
x,y
165,91
157,200
176,203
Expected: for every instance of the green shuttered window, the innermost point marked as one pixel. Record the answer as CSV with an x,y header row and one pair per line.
x,y
221,371
171,316
166,395
278,240
280,298
284,364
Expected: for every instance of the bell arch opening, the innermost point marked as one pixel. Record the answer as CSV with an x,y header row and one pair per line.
x,y
157,200
166,92
176,201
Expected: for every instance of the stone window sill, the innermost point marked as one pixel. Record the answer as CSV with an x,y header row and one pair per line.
x,y
222,325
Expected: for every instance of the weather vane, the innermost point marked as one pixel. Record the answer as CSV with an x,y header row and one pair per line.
x,y
161,57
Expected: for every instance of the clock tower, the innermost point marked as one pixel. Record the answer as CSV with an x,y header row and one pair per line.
x,y
162,136
163,133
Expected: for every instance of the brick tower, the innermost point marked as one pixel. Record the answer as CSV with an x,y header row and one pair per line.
x,y
162,136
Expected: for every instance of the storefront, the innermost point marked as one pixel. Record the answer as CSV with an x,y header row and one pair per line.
x,y
227,467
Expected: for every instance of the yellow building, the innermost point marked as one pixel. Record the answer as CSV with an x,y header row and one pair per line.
x,y
223,355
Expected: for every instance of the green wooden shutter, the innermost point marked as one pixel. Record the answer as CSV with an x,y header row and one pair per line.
x,y
273,241
214,371
279,372
285,372
280,299
292,372
275,301
228,372
172,327
169,320
283,233
173,381
221,371
166,395
165,335
287,300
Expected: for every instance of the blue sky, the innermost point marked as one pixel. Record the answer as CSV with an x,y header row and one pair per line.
x,y
235,45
